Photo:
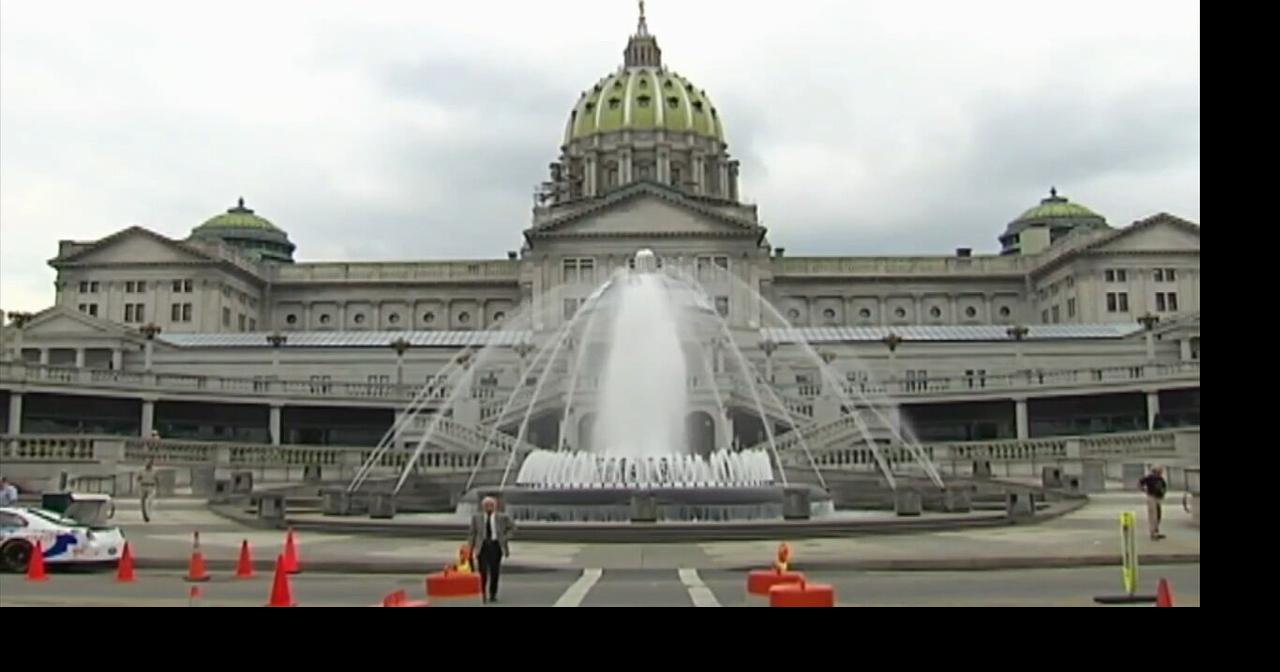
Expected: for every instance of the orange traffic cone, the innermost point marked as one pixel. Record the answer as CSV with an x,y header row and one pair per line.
x,y
281,595
1164,596
396,599
124,569
244,568
35,566
195,570
194,595
291,563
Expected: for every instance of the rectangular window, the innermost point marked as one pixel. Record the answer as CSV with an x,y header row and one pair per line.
x,y
93,287
1160,302
175,312
579,270
84,307
1122,275
1112,304
722,263
138,310
186,286
128,287
240,321
1124,301
226,317
253,324
722,306
1071,307
1057,316
1044,316
1158,275
93,309
226,291
84,286
1071,282
1169,275
1111,275
141,286
1053,289
128,312
186,312
177,286
1173,302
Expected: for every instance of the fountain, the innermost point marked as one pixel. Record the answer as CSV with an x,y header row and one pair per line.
x,y
629,368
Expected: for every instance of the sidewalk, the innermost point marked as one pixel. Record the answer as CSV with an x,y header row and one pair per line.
x,y
1089,536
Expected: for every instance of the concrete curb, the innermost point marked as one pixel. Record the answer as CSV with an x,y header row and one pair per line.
x,y
659,533
882,565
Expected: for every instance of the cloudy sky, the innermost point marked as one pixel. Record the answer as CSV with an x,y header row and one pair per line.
x,y
417,130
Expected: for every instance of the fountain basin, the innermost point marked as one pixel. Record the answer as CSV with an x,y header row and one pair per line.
x,y
710,502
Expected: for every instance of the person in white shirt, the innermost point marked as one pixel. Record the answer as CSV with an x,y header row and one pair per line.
x,y
490,530
8,493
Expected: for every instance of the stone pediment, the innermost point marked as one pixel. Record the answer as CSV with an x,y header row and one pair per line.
x,y
134,245
60,322
647,210
1160,233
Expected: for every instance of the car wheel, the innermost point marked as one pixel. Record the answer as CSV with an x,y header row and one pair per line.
x,y
15,555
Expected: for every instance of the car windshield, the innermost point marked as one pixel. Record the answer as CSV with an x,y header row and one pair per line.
x,y
55,518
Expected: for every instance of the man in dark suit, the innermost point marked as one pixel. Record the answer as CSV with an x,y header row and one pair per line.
x,y
490,530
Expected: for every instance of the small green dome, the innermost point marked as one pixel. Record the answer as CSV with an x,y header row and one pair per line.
x,y
1057,207
239,227
644,98
1055,214
238,217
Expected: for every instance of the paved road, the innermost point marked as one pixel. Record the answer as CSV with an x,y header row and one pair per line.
x,y
617,587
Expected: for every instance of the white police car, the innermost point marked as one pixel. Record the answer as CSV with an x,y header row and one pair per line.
x,y
77,535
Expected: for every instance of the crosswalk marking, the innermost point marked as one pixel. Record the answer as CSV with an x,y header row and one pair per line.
x,y
578,591
698,591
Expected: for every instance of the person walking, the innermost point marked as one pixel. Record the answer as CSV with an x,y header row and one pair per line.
x,y
149,484
490,532
1155,487
8,492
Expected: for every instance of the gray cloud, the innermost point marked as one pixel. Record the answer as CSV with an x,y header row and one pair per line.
x,y
420,131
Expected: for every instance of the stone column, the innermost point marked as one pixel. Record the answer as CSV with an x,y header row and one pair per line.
x,y
274,424
117,359
989,306
79,358
1153,408
724,430
44,356
1184,347
15,413
148,417
1020,417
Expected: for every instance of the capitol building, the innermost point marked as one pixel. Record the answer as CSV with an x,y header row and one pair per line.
x,y
1078,326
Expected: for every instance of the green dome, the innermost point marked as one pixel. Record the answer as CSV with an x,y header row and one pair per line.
x,y
238,217
1055,214
251,234
644,99
1057,207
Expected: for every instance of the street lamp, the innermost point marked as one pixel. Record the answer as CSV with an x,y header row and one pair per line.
x,y
276,340
1149,323
149,330
1017,332
769,347
19,321
400,345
